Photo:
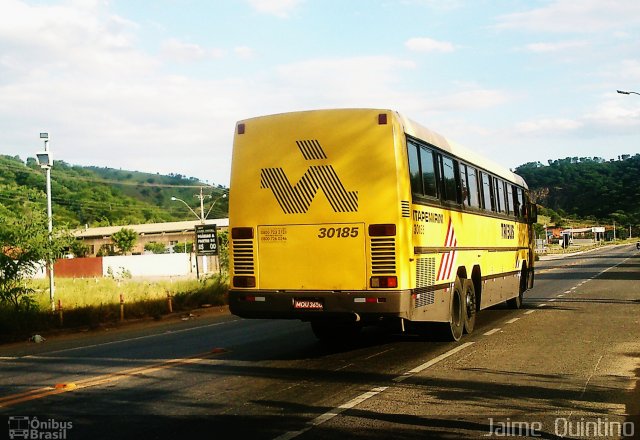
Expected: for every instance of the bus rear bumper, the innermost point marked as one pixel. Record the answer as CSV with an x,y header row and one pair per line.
x,y
320,305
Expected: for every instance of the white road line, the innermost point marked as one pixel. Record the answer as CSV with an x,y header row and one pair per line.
x,y
543,305
333,413
560,295
138,338
378,354
552,300
491,332
567,291
435,360
369,394
529,312
343,367
511,321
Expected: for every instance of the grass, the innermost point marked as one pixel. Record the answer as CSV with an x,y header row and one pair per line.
x,y
95,301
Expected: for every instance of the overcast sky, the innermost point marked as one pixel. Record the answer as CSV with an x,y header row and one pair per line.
x,y
158,85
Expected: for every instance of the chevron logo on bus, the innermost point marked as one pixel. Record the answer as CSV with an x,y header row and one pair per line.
x,y
448,259
296,199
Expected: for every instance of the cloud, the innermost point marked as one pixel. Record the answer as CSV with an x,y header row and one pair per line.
x,y
244,52
176,50
583,16
357,81
559,46
548,126
278,8
429,45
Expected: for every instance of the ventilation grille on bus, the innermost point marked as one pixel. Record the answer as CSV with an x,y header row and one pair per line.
x,y
383,255
243,257
425,279
406,210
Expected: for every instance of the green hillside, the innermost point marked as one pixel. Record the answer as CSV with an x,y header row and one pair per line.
x,y
103,196
588,188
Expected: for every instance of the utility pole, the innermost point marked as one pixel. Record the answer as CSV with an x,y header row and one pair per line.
x,y
45,160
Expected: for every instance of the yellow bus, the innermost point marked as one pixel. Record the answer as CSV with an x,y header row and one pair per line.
x,y
349,217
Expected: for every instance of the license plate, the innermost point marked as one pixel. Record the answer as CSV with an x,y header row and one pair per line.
x,y
308,304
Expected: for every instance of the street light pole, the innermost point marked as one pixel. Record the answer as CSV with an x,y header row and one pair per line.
x,y
46,161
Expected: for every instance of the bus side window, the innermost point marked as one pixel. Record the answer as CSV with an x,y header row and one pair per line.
x,y
509,198
487,193
499,191
414,168
472,180
428,172
448,180
464,185
520,210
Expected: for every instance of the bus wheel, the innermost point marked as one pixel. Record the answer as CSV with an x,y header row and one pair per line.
x,y
516,303
469,297
329,331
453,330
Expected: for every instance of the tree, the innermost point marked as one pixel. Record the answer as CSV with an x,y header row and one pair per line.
x,y
79,249
125,239
25,247
155,247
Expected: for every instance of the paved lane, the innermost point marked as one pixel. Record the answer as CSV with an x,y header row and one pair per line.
x,y
572,352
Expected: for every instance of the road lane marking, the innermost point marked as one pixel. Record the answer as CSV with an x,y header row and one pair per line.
x,y
560,295
511,321
14,399
343,367
529,312
333,413
432,362
543,305
590,376
369,394
491,332
137,338
378,354
552,300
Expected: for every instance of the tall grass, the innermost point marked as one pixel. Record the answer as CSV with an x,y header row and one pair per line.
x,y
94,301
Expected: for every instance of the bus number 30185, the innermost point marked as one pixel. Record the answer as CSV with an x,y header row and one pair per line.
x,y
338,232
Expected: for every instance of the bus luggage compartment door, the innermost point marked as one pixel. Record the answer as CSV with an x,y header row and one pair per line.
x,y
312,257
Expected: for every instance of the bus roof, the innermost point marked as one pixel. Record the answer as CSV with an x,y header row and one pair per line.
x,y
418,131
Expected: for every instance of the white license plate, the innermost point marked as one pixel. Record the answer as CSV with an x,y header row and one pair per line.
x,y
308,304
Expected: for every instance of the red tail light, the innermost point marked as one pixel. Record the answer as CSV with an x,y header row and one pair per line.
x,y
384,230
244,281
241,233
385,282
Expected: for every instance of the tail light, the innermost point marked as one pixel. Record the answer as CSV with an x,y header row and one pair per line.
x,y
383,230
244,281
385,282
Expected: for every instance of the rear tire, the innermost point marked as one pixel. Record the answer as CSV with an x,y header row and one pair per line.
x,y
470,305
516,303
453,330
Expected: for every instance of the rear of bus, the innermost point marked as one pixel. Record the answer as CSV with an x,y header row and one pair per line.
x,y
315,210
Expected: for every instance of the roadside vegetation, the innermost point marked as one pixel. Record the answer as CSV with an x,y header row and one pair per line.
x,y
94,302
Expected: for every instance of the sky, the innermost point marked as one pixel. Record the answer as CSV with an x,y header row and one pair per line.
x,y
158,85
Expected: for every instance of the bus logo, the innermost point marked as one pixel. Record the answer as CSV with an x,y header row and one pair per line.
x,y
296,199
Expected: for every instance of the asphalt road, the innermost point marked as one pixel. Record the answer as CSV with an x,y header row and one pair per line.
x,y
567,364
